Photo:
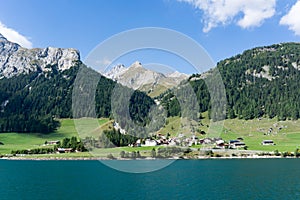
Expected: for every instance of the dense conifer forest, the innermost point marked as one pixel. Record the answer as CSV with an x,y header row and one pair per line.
x,y
261,82
34,102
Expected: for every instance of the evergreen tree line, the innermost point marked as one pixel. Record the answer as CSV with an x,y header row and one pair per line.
x,y
109,139
74,143
261,82
34,151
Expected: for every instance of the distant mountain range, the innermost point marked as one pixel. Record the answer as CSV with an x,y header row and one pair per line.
x,y
140,78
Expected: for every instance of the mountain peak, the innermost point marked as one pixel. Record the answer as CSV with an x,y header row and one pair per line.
x,y
116,72
15,60
177,74
138,77
136,64
4,40
2,37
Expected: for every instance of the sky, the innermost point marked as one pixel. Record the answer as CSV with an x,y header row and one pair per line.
x,y
223,28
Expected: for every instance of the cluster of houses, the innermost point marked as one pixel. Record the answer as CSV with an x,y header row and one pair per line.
x,y
219,143
232,144
181,140
165,141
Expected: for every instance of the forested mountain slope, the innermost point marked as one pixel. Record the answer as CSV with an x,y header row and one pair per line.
x,y
263,81
31,102
36,88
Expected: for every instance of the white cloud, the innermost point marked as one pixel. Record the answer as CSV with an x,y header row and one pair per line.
x,y
292,19
14,36
223,12
104,62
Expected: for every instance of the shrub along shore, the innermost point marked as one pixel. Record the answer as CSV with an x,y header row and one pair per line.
x,y
176,153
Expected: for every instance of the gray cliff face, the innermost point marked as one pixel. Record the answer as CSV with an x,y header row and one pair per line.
x,y
15,60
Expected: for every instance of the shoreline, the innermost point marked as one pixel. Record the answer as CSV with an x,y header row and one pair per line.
x,y
147,158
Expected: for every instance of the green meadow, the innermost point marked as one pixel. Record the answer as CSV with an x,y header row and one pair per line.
x,y
285,134
19,141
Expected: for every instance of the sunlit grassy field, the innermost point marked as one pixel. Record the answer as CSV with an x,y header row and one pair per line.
x,y
285,134
20,141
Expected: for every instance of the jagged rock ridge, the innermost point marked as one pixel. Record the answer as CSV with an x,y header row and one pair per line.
x,y
15,60
138,77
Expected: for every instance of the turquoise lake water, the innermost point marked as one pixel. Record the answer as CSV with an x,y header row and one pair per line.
x,y
183,179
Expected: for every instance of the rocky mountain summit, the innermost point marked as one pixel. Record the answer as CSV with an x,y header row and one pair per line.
x,y
15,60
116,72
138,77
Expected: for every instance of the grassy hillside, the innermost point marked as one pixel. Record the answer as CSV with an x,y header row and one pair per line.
x,y
18,141
285,134
153,91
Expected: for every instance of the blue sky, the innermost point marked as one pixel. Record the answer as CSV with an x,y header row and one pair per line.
x,y
223,27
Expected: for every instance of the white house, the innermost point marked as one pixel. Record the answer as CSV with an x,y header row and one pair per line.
x,y
220,142
150,143
233,144
207,141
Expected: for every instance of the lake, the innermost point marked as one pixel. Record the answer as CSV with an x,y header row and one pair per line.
x,y
183,179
